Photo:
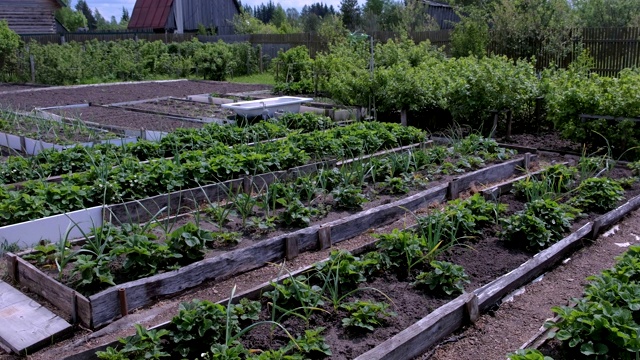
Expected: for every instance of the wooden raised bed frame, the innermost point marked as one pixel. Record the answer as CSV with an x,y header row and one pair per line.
x,y
104,307
466,308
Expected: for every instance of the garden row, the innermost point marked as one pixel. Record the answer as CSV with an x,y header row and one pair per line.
x,y
104,184
410,77
77,159
150,250
332,307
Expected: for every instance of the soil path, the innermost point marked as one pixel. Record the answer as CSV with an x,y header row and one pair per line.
x,y
506,328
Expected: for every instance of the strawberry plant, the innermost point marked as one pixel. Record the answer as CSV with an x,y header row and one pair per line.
x,y
312,345
396,185
145,344
365,314
348,197
557,217
527,231
92,272
295,214
528,354
188,242
443,277
597,194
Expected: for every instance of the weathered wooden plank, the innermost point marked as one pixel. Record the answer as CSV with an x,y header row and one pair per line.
x,y
324,237
38,282
497,289
491,174
83,310
291,248
425,333
353,225
27,325
614,215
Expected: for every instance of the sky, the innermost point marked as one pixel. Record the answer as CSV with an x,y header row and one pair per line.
x,y
110,8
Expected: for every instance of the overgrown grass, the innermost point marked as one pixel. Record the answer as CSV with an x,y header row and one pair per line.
x,y
264,78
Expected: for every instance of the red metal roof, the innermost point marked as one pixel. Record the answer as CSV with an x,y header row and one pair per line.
x,y
150,14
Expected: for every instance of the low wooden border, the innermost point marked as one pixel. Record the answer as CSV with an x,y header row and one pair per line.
x,y
431,329
106,306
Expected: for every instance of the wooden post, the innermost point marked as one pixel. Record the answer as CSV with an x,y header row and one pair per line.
x,y
494,126
74,308
23,145
595,230
291,245
453,191
324,237
509,121
12,260
403,117
32,61
472,311
260,60
247,181
124,308
527,161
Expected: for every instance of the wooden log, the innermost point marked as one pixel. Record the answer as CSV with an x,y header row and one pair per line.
x,y
491,174
497,289
324,237
40,283
425,333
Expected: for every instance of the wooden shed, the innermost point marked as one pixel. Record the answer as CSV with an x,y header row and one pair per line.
x,y
30,16
184,15
443,14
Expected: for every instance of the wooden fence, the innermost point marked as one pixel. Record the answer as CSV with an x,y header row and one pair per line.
x,y
612,49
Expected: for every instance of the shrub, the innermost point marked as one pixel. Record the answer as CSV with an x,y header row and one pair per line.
x,y
9,44
214,60
294,74
527,231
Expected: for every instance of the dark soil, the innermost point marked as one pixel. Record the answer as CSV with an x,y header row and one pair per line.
x,y
104,94
184,108
544,141
121,118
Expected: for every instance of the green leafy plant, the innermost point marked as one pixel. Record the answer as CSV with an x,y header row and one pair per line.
x,y
295,213
188,242
528,354
145,344
365,314
526,231
443,277
597,194
557,217
348,197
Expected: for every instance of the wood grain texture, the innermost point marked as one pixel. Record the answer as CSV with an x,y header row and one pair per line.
x,y
425,333
40,283
27,325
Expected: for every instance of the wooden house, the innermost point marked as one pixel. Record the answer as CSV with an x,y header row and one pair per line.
x,y
30,16
184,15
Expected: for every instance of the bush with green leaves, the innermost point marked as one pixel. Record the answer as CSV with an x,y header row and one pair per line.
x,y
294,71
10,42
557,217
348,197
444,277
598,195
365,314
214,60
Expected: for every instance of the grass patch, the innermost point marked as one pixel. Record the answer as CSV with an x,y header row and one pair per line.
x,y
264,78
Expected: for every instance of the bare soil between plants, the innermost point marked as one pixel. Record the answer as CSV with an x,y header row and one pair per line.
x,y
484,259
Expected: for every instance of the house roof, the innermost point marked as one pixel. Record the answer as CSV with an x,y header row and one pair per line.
x,y
153,14
150,14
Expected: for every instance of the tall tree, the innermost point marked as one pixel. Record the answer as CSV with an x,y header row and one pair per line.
x,y
70,19
606,13
83,7
125,15
350,14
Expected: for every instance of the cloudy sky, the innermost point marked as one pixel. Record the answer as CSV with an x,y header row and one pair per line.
x,y
110,8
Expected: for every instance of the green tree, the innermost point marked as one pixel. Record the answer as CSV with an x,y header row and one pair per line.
x,y
526,28
350,14
83,8
470,36
279,17
10,42
70,19
606,13
125,16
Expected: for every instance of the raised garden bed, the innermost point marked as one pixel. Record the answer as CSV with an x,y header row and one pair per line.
x,y
179,108
429,330
107,305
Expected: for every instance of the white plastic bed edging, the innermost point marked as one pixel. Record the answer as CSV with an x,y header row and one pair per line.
x,y
53,228
267,107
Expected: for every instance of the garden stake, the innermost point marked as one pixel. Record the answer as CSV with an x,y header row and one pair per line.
x,y
122,295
